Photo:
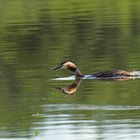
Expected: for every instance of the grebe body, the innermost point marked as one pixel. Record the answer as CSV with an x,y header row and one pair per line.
x,y
105,74
114,73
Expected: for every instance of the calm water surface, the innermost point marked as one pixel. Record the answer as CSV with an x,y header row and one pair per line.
x,y
97,35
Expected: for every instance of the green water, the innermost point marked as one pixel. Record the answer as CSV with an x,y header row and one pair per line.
x,y
97,35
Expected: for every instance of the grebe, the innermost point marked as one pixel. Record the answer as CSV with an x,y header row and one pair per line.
x,y
105,74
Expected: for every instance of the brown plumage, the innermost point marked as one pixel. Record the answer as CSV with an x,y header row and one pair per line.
x,y
72,67
113,73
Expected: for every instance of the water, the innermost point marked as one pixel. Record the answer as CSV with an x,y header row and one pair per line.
x,y
97,35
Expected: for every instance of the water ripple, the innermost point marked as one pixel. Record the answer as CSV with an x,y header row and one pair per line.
x,y
62,107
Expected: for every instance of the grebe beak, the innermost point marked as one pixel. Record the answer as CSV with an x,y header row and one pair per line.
x,y
57,67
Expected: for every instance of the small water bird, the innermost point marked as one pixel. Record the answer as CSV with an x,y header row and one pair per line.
x,y
104,74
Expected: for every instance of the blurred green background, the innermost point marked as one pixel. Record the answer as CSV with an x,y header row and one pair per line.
x,y
36,35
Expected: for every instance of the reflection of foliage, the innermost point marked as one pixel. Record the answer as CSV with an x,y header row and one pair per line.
x,y
80,25
35,35
36,132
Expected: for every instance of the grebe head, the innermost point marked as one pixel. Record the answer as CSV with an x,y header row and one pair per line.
x,y
65,65
69,66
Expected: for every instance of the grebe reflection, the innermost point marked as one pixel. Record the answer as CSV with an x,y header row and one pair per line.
x,y
71,88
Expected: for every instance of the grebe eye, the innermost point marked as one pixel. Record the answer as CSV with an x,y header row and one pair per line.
x,y
72,69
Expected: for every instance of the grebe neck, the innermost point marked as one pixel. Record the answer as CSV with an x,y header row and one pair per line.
x,y
78,74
